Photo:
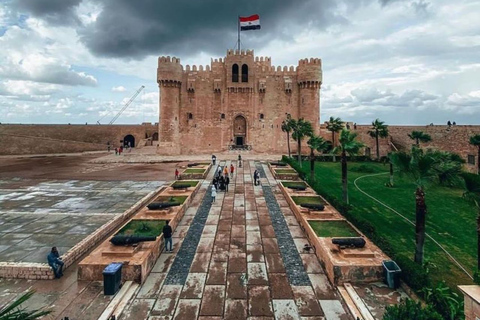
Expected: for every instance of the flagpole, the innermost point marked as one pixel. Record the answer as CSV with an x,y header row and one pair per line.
x,y
238,42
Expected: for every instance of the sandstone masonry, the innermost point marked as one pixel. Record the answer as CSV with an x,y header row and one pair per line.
x,y
240,100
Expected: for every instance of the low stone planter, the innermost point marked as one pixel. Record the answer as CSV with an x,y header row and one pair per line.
x,y
342,265
137,260
283,172
198,171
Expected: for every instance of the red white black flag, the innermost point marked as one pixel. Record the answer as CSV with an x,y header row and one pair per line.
x,y
250,23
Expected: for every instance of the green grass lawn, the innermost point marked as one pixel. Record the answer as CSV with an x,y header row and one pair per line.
x,y
190,183
190,170
451,220
307,200
147,228
333,229
285,171
295,184
178,199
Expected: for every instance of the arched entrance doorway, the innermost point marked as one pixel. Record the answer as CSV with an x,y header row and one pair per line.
x,y
129,141
155,136
239,130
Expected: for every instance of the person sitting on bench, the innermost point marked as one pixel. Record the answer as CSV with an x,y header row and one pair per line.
x,y
55,262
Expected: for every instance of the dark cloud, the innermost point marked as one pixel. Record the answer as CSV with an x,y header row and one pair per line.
x,y
134,29
60,12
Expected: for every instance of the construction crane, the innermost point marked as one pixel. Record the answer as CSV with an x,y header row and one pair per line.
x,y
125,106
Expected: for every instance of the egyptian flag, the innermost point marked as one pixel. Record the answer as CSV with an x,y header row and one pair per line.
x,y
250,23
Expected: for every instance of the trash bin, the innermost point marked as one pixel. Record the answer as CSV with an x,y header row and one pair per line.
x,y
112,278
391,272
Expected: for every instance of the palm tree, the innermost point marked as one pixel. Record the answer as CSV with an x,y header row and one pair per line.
x,y
301,129
287,127
424,168
14,312
419,136
316,143
348,145
379,129
475,141
473,194
334,125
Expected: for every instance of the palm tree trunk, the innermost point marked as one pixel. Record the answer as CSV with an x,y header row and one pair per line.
x,y
376,141
288,144
344,177
333,145
418,142
312,165
299,152
420,216
478,161
478,240
391,174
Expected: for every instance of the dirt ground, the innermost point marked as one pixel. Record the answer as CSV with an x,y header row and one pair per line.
x,y
78,167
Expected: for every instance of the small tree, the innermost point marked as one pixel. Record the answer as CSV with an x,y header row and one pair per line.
x,y
316,143
334,125
379,129
475,141
419,136
348,145
14,310
287,127
423,168
301,129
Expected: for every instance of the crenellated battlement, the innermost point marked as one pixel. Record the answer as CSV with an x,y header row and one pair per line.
x,y
194,68
312,61
169,70
167,59
232,52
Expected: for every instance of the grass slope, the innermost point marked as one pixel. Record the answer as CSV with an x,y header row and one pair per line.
x,y
450,218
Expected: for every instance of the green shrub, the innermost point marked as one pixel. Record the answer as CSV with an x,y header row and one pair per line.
x,y
445,301
363,168
412,273
409,310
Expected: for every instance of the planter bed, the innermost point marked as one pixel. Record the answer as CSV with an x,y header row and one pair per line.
x,y
138,260
341,265
171,199
199,171
148,228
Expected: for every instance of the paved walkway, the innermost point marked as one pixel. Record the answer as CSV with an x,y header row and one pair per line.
x,y
240,257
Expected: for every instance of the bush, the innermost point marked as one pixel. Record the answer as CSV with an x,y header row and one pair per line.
x,y
409,310
445,301
412,273
363,169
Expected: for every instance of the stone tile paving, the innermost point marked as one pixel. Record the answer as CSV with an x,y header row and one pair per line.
x,y
183,261
38,214
238,270
291,258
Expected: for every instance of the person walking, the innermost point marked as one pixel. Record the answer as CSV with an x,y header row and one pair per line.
x,y
239,161
214,193
255,177
225,171
167,236
55,262
219,171
177,173
227,181
232,169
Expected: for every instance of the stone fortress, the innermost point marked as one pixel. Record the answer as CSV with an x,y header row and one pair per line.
x,y
238,102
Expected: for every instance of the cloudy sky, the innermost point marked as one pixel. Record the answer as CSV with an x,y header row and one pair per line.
x,y
403,61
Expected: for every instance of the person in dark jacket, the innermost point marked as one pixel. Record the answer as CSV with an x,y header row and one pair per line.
x,y
227,181
167,236
55,262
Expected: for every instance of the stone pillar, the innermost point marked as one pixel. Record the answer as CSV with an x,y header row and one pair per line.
x,y
309,77
472,301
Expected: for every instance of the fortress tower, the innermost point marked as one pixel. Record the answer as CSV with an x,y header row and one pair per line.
x,y
239,101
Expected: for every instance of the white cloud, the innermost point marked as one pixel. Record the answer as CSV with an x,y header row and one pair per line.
x,y
119,89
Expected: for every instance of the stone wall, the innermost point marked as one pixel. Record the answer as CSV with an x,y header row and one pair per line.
x,y
453,138
42,139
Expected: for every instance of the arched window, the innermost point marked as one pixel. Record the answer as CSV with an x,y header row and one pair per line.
x,y
235,73
244,73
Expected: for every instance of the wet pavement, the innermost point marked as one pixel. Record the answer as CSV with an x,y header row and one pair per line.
x,y
245,264
38,214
